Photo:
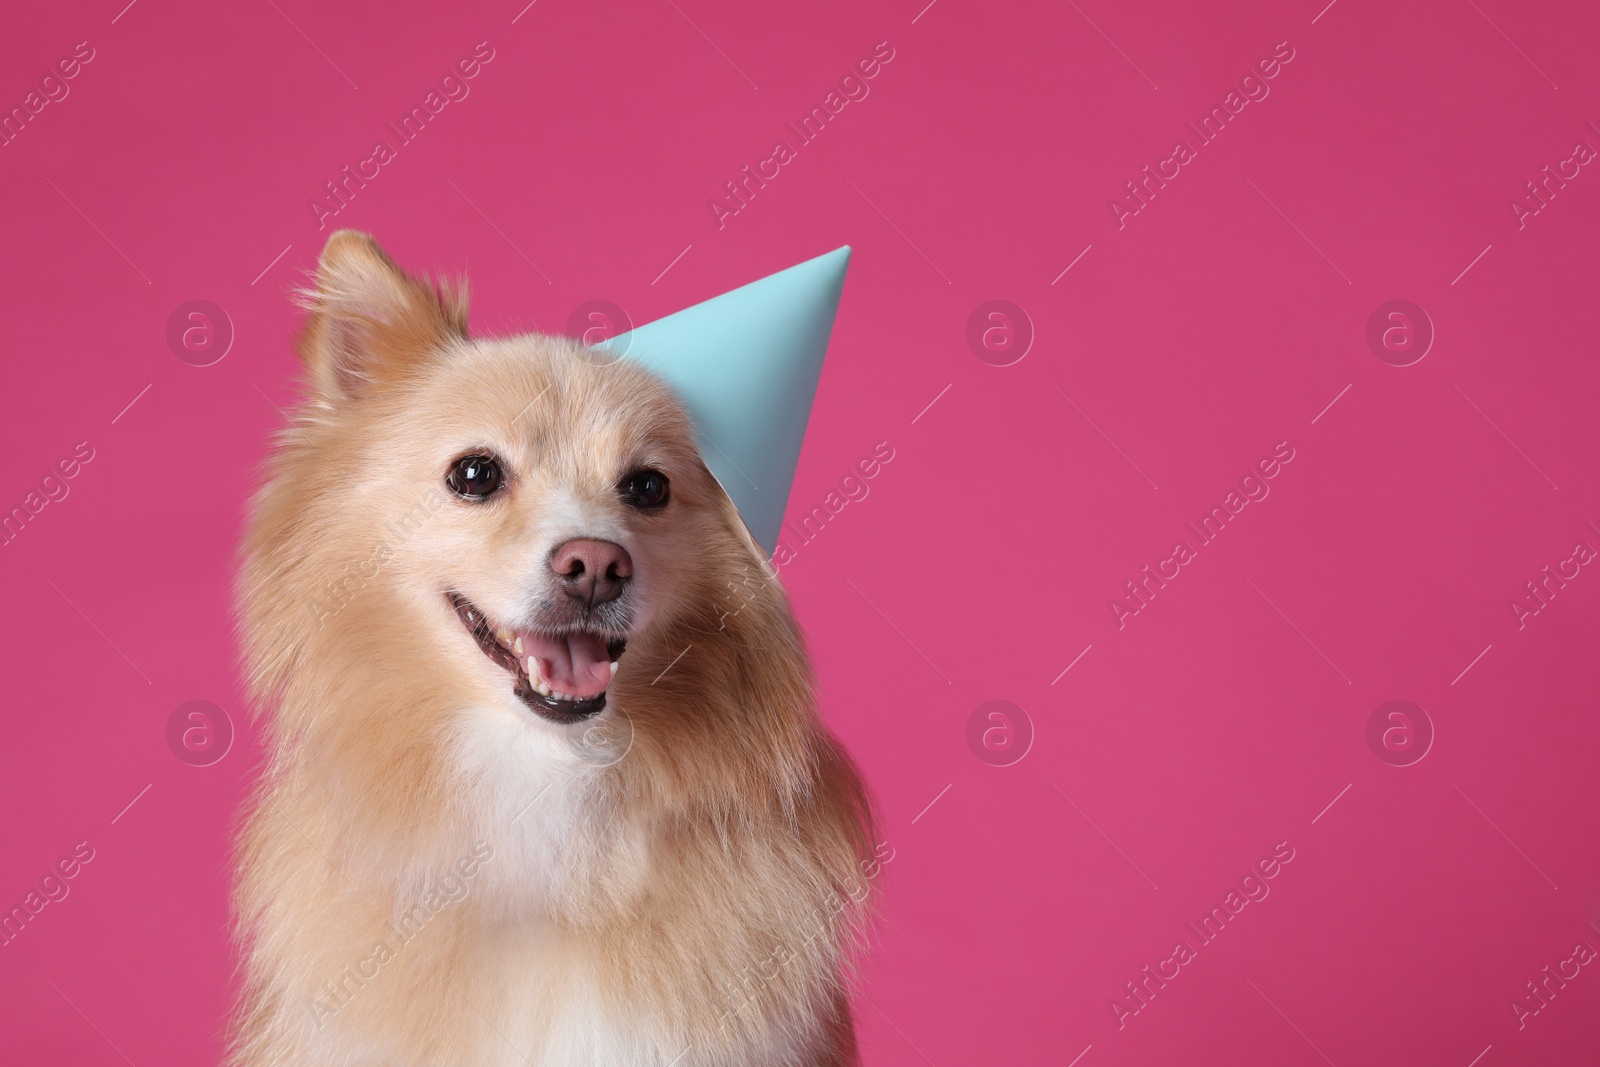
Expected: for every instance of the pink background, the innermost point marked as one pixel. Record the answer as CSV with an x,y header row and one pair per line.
x,y
1222,319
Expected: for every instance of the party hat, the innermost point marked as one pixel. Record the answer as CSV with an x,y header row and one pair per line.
x,y
745,365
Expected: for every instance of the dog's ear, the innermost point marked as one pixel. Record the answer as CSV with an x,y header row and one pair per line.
x,y
370,320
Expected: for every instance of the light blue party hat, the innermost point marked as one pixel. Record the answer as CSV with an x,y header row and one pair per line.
x,y
745,364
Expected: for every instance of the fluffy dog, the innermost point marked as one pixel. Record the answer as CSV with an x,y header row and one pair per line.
x,y
545,781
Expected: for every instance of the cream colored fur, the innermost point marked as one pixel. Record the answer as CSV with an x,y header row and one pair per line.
x,y
429,873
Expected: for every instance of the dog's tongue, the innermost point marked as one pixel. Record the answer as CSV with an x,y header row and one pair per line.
x,y
576,664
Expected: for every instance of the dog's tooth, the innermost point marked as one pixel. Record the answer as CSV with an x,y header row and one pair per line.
x,y
613,668
517,645
504,635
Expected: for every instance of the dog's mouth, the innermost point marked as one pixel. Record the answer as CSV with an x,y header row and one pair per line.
x,y
562,677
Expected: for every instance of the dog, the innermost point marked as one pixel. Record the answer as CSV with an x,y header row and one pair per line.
x,y
545,782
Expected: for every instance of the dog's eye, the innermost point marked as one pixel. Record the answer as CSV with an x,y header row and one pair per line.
x,y
646,489
474,477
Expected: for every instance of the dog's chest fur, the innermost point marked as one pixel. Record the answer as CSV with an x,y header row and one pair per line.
x,y
500,962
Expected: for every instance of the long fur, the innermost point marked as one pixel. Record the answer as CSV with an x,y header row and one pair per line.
x,y
429,874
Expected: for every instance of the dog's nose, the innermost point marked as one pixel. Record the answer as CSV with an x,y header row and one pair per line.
x,y
592,571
